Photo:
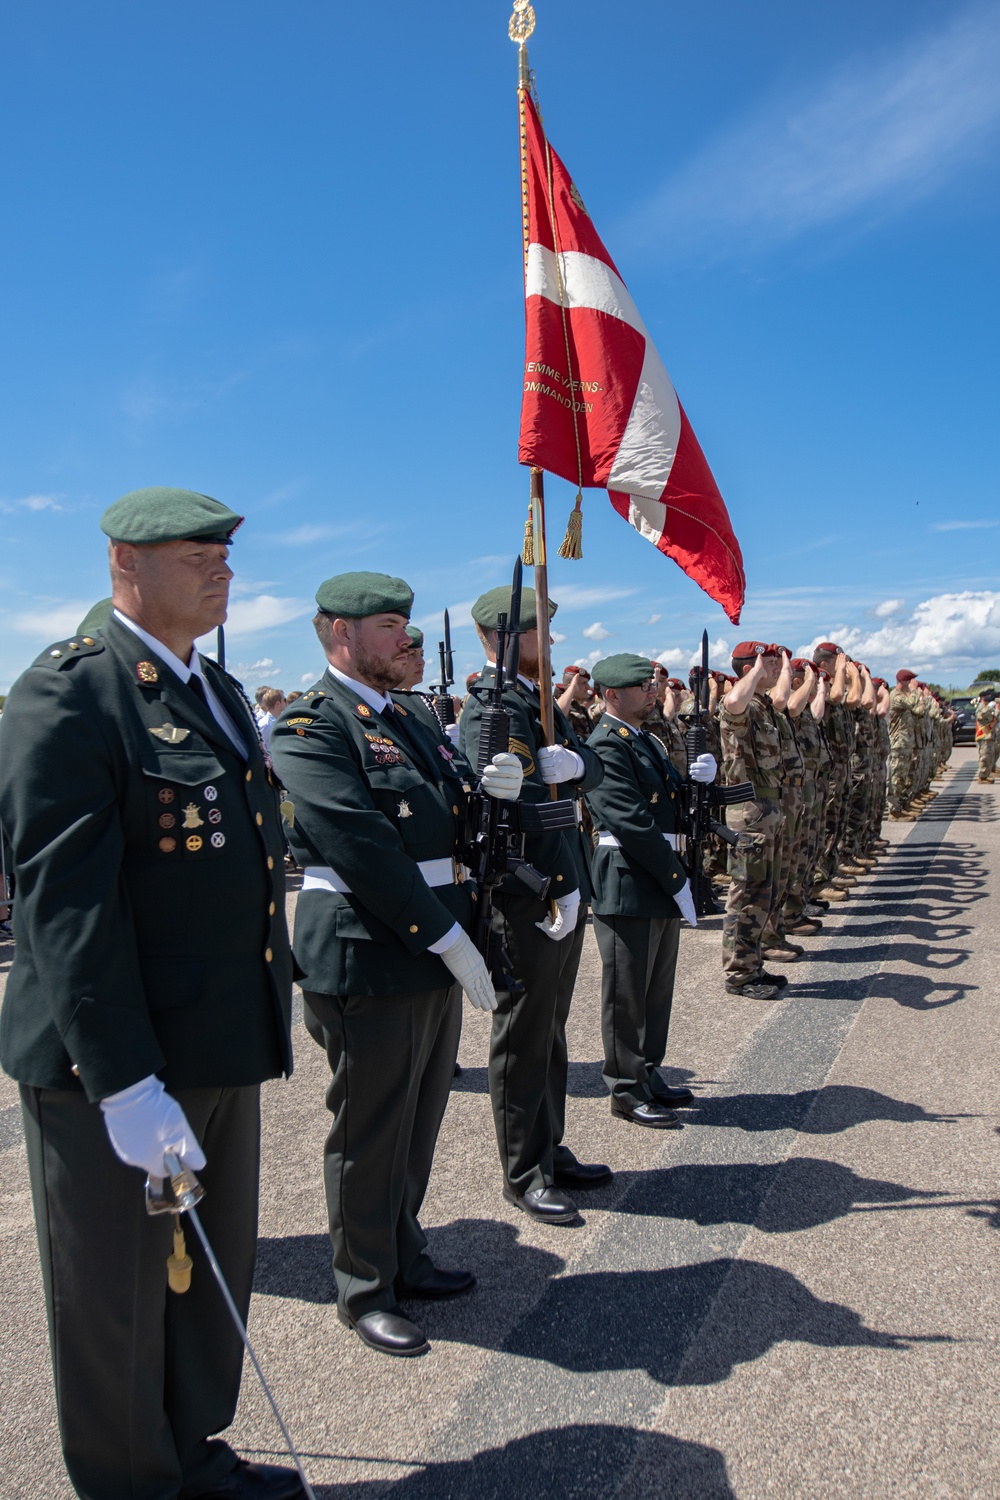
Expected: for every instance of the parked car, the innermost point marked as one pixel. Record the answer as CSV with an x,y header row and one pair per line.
x,y
964,729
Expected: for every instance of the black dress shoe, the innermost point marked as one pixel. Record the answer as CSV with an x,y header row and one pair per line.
x,y
664,1094
649,1113
582,1174
439,1284
256,1482
549,1205
388,1332
458,1070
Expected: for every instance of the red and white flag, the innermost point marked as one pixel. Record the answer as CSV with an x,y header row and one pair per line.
x,y
598,407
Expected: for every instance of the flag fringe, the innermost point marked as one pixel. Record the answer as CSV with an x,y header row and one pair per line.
x,y
572,543
528,549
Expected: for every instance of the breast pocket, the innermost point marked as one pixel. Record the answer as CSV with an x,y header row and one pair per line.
x,y
183,788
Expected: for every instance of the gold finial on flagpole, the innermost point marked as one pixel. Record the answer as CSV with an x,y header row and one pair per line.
x,y
519,28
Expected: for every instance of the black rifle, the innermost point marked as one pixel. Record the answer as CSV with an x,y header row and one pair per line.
x,y
442,702
497,829
701,799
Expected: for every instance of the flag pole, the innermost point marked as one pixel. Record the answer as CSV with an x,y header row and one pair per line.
x,y
520,27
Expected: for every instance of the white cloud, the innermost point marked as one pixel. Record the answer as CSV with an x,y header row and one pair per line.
x,y
245,669
556,638
653,620
872,138
265,612
307,677
888,607
595,632
946,633
673,657
964,525
31,502
51,624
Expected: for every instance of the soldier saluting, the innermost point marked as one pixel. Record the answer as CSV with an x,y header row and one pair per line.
x,y
381,932
149,998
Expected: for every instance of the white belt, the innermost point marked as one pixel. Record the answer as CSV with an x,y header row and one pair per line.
x,y
434,871
614,843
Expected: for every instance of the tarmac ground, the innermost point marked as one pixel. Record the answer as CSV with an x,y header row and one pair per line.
x,y
794,1296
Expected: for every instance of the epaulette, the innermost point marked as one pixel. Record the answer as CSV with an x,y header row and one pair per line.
x,y
63,652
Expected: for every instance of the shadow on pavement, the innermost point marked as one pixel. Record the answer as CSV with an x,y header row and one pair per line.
x,y
775,1197
566,1463
911,990
836,1107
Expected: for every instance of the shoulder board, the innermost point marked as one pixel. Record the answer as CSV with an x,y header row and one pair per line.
x,y
62,652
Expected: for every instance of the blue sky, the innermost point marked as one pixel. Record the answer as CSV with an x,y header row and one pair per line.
x,y
272,252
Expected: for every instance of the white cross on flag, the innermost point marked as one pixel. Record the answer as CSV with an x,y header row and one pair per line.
x,y
598,407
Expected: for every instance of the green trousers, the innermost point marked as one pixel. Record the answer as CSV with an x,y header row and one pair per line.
x,y
639,958
143,1375
528,1054
392,1061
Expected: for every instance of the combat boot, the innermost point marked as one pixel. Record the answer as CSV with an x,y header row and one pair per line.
x,y
754,989
833,893
851,867
804,927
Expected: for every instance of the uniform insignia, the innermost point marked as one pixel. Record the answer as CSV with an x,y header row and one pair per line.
x,y
193,844
364,710
623,732
165,794
386,753
166,820
298,721
404,809
655,797
218,839
401,710
146,672
211,794
170,734
300,731
55,653
287,811
214,815
192,816
524,751
168,845
446,753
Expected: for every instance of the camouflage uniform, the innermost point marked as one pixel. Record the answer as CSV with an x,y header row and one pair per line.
x,y
862,783
670,733
751,750
816,770
580,720
883,748
903,750
986,738
792,807
839,728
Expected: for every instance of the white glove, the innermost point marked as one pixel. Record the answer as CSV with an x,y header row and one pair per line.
x,y
703,768
143,1122
466,963
453,731
503,776
559,763
567,911
685,901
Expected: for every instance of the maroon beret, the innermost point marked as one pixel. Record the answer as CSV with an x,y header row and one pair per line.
x,y
676,684
753,648
904,676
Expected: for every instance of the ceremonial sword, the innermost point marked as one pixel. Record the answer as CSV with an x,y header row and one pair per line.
x,y
180,1193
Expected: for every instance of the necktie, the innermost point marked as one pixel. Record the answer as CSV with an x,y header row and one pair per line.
x,y
198,688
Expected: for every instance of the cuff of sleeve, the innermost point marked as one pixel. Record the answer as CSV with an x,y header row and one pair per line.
x,y
451,936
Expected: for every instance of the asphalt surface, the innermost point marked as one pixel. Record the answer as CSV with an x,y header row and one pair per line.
x,y
795,1296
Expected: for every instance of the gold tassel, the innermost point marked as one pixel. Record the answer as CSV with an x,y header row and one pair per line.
x,y
179,1264
528,550
572,545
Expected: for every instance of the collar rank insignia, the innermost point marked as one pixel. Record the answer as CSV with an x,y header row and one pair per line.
x,y
400,709
146,672
364,710
623,732
192,817
170,734
404,809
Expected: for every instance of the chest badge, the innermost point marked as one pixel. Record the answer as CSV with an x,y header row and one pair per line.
x,y
193,844
165,794
655,797
192,816
170,734
364,710
210,794
404,809
146,672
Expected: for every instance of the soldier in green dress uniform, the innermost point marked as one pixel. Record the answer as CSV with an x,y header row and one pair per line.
x,y
381,933
641,890
528,1056
149,998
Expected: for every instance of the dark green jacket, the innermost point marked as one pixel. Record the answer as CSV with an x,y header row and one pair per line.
x,y
150,915
637,802
372,798
562,855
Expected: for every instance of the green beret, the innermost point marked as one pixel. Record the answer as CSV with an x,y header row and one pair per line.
x,y
96,618
352,596
416,636
497,602
167,515
622,671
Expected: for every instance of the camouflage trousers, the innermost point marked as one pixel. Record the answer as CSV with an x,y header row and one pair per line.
x,y
804,868
753,888
858,809
987,755
834,820
792,808
876,806
901,772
